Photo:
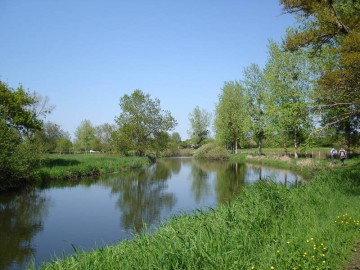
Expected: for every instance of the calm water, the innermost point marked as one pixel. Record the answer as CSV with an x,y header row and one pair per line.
x,y
39,224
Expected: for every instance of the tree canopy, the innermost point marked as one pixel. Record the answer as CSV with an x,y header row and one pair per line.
x,y
331,27
141,122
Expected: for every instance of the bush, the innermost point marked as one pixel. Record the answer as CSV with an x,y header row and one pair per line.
x,y
211,151
18,158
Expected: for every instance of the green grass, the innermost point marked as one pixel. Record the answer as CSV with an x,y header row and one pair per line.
x,y
68,167
269,226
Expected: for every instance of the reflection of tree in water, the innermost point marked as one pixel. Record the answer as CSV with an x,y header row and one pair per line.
x,y
142,197
21,217
230,181
200,185
173,165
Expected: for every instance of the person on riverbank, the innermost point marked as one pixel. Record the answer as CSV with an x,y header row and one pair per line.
x,y
333,153
342,155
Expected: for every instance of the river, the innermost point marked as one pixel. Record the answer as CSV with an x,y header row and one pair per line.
x,y
40,224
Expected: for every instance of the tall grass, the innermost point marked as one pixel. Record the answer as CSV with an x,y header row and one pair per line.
x,y
269,226
65,167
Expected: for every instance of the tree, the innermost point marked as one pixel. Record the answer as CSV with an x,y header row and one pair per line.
x,y
63,144
141,122
332,26
15,109
85,138
289,84
200,121
19,155
231,115
104,133
175,137
47,138
255,89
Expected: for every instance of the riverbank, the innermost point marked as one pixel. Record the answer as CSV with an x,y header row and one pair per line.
x,y
72,167
269,226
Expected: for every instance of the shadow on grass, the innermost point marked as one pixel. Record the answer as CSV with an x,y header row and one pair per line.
x,y
60,162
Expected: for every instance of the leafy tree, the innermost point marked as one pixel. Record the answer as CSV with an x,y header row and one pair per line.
x,y
41,106
14,109
200,121
64,144
289,84
85,138
18,155
104,133
231,115
141,123
175,137
333,26
255,89
47,138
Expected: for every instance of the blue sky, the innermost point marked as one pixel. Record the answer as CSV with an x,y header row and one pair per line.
x,y
86,54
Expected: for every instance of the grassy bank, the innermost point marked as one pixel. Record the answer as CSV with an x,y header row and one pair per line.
x,y
307,167
269,226
68,167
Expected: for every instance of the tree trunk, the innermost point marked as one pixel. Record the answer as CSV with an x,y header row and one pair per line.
x,y
296,145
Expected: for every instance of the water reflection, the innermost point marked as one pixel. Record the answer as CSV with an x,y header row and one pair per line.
x,y
21,217
258,172
49,220
142,197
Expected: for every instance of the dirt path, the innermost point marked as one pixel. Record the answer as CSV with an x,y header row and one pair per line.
x,y
354,264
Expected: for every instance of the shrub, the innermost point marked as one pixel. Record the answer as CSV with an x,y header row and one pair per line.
x,y
211,151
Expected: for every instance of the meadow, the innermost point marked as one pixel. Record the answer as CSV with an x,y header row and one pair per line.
x,y
268,226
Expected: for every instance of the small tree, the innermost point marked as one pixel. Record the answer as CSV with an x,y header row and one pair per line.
x,y
142,123
85,138
231,116
200,121
255,90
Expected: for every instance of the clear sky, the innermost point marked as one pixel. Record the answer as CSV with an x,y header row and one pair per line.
x,y
86,54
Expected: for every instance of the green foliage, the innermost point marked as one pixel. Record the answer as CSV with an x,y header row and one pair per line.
x,y
85,138
289,84
105,135
141,123
18,158
211,151
332,27
231,115
256,93
52,138
199,121
14,108
18,155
